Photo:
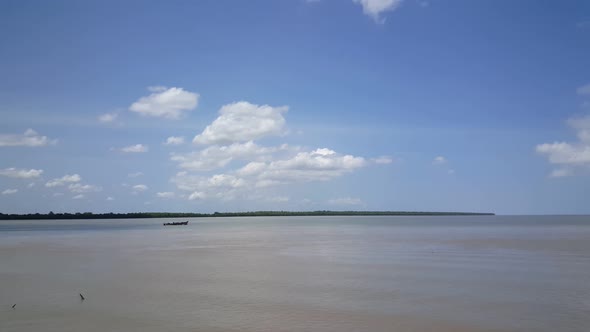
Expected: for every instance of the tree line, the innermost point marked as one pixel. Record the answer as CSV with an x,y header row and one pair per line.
x,y
138,215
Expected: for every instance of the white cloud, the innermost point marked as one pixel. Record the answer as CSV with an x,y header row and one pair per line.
x,y
21,173
107,117
346,201
63,180
241,122
221,186
31,185
9,191
166,103
140,188
57,194
80,196
110,198
439,160
137,148
74,184
252,168
374,8
165,194
83,188
569,155
135,174
565,153
174,140
584,90
318,165
382,160
216,156
29,138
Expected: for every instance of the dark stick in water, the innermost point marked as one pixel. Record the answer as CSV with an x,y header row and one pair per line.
x,y
14,305
82,297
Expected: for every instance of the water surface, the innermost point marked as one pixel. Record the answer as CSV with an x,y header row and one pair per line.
x,y
467,273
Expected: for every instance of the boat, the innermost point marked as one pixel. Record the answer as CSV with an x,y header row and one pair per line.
x,y
178,223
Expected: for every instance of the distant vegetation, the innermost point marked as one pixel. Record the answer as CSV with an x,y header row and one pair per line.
x,y
90,215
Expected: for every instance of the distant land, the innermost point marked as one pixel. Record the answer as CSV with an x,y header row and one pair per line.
x,y
135,215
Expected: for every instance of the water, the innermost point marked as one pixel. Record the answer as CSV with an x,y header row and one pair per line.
x,y
482,273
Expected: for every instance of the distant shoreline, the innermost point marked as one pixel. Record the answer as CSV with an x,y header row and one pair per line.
x,y
143,215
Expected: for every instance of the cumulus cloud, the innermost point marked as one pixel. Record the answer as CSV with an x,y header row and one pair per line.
x,y
216,156
29,138
439,160
169,103
242,122
220,186
318,165
80,196
584,90
110,198
174,140
107,117
565,153
140,188
21,173
165,194
346,201
74,185
374,8
9,191
137,148
569,155
63,180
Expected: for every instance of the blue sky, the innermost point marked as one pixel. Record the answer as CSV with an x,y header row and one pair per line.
x,y
295,105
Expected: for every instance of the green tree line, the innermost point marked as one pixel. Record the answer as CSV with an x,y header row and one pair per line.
x,y
135,215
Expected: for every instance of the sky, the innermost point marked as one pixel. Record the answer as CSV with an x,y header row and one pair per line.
x,y
204,106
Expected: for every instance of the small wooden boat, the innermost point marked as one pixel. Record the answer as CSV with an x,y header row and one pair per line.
x,y
179,223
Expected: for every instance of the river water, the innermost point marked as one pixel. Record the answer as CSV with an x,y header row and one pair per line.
x,y
467,273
